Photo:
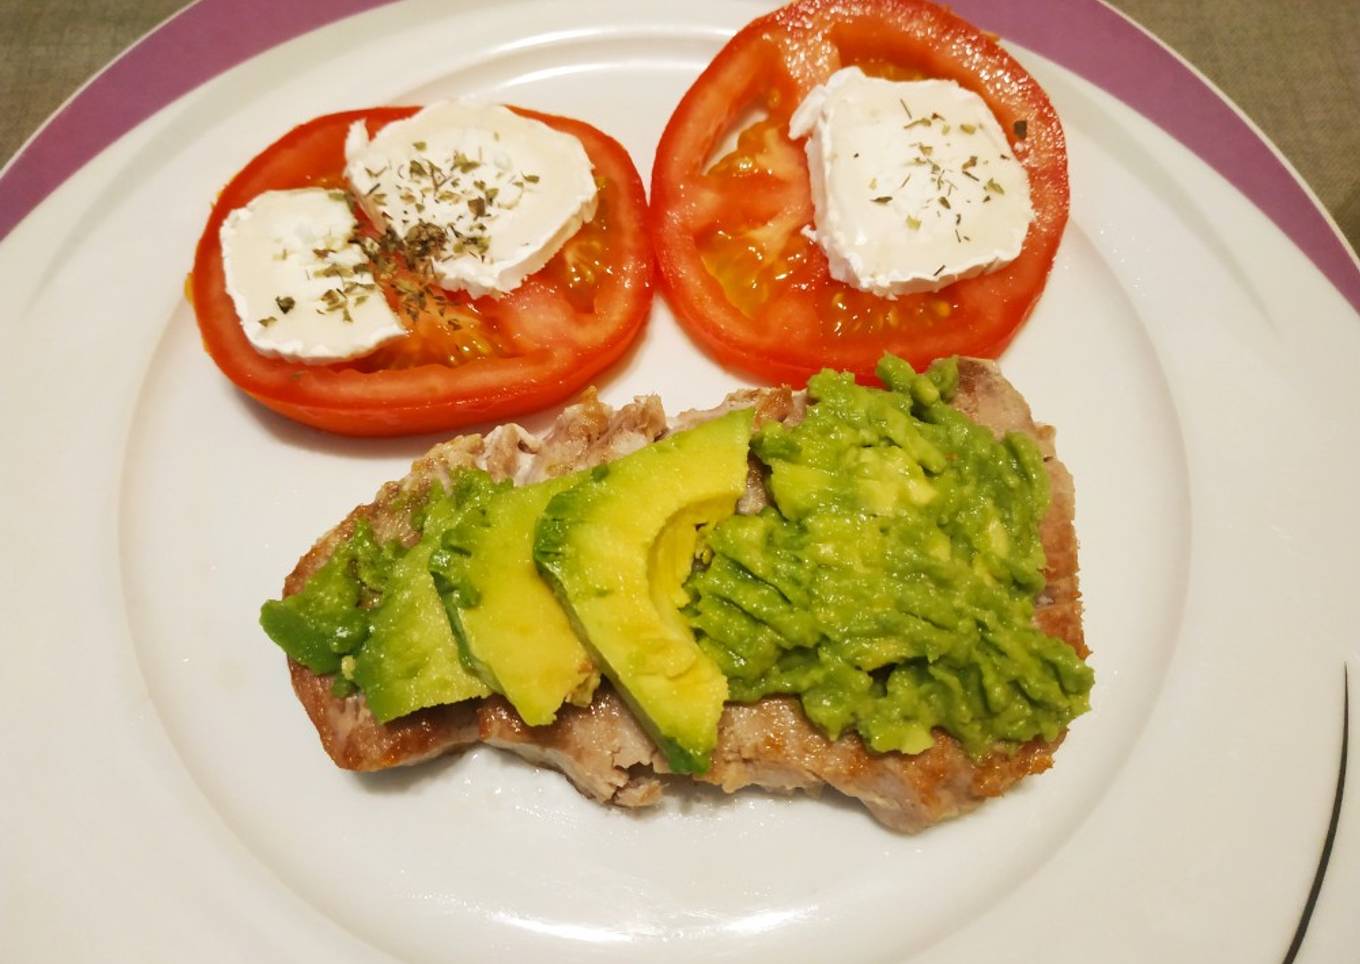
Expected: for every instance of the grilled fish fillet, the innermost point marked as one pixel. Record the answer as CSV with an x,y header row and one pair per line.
x,y
770,743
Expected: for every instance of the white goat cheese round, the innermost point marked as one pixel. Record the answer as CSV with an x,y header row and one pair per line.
x,y
303,289
486,195
913,183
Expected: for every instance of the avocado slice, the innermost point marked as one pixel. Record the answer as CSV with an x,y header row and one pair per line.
x,y
512,629
410,659
617,547
323,623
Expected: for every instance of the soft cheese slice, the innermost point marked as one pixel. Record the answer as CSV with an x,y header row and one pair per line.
x,y
913,183
486,195
302,288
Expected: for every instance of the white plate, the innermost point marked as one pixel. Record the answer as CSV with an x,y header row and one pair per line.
x,y
165,797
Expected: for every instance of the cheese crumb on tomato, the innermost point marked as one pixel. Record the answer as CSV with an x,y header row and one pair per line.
x,y
302,287
913,183
484,195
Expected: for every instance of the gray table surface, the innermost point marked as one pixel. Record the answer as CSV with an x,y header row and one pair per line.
x,y
1294,68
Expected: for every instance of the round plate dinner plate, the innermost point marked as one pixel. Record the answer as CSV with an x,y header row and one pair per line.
x,y
164,795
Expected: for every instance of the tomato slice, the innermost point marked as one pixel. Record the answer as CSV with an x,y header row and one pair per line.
x,y
743,279
465,360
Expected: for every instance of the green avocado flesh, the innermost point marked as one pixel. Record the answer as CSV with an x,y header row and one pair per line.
x,y
617,548
891,584
323,623
373,615
511,628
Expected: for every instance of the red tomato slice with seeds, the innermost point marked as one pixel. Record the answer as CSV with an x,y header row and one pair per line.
x,y
465,360
744,280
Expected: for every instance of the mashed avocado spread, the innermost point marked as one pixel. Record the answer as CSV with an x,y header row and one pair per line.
x,y
891,584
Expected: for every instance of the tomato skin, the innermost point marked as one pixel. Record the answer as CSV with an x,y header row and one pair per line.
x,y
773,62
551,362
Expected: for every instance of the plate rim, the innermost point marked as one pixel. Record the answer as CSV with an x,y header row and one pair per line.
x,y
1207,168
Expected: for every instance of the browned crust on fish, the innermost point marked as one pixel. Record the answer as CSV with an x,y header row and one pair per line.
x,y
601,748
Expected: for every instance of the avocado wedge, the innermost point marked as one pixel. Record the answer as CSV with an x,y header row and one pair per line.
x,y
410,659
508,622
616,548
